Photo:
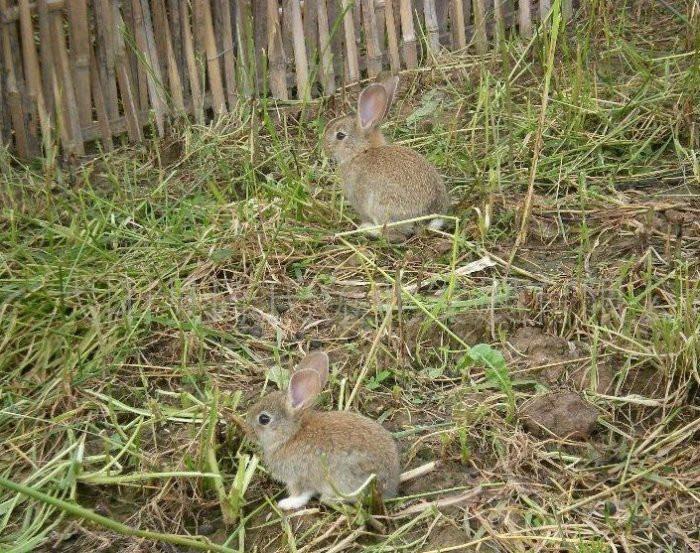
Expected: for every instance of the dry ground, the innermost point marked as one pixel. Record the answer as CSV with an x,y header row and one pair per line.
x,y
149,296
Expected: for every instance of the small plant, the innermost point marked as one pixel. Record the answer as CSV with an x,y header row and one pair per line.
x,y
374,382
496,372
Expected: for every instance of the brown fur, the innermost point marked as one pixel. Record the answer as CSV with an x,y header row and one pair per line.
x,y
324,453
383,182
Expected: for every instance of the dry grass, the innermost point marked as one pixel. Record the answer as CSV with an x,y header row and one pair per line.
x,y
148,296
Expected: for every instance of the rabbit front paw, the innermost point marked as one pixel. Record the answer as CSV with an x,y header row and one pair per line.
x,y
294,501
370,229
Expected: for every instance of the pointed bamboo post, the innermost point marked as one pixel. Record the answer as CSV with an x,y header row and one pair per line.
x,y
374,52
391,38
458,24
80,57
431,25
32,72
353,64
326,48
275,52
410,49
525,18
301,65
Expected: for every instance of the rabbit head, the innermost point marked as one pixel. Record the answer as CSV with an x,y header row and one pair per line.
x,y
350,135
277,416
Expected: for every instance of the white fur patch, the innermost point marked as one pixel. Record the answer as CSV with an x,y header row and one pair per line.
x,y
436,224
294,502
374,232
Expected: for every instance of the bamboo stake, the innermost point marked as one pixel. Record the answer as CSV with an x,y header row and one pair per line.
x,y
246,47
525,19
192,67
229,57
161,23
374,52
259,32
12,14
14,98
353,64
357,18
567,9
106,55
100,106
333,8
158,35
468,30
480,27
275,52
154,76
431,25
133,56
66,92
115,22
300,60
142,46
215,83
326,53
61,123
173,14
410,52
2,101
2,108
287,40
32,73
545,6
17,40
458,24
379,11
310,19
396,10
45,54
441,10
80,57
391,38
499,19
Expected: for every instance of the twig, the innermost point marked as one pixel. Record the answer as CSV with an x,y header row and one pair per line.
x,y
444,502
422,470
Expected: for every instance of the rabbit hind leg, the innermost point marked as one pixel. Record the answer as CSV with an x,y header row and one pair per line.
x,y
392,234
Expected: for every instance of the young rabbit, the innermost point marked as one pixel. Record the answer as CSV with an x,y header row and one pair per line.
x,y
331,454
383,182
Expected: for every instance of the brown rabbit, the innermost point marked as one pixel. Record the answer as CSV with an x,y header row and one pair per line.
x,y
330,454
383,182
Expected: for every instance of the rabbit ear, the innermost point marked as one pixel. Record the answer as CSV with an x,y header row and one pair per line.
x,y
304,386
371,106
390,85
317,361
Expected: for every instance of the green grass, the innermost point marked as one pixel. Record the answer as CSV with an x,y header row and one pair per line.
x,y
148,296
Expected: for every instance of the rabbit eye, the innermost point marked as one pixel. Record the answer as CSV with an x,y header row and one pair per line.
x,y
264,418
340,135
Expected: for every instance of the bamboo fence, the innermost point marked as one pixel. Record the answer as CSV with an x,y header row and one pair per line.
x,y
79,72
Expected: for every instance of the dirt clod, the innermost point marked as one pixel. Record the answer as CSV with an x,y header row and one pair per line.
x,y
553,359
472,327
563,414
645,381
447,537
540,348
